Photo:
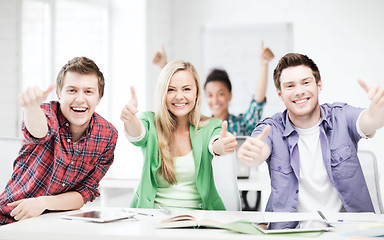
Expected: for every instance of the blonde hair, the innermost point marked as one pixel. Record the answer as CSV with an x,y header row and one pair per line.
x,y
166,122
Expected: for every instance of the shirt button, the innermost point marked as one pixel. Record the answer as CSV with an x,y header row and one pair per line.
x,y
72,162
341,158
279,168
297,191
290,146
68,140
63,184
67,124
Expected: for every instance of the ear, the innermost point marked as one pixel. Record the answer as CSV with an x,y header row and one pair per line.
x,y
279,93
319,86
230,96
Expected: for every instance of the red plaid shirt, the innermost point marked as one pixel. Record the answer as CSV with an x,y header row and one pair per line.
x,y
54,165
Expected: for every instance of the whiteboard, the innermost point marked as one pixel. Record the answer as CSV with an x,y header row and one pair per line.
x,y
235,48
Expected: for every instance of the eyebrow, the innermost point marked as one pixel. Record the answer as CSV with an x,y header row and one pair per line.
x,y
304,79
188,85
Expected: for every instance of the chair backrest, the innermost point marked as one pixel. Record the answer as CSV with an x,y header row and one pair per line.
x,y
224,173
9,149
368,163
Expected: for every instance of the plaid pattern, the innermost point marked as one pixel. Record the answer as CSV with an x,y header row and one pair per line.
x,y
54,165
244,124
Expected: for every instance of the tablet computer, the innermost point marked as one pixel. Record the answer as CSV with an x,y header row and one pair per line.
x,y
100,216
301,226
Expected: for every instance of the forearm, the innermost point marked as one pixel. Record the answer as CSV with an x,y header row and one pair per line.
x,y
261,84
133,128
370,121
35,121
65,201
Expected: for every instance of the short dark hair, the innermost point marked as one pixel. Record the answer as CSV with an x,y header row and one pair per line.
x,y
80,65
293,60
219,75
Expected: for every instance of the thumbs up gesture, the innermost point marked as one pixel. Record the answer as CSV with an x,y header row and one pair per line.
x,y
128,114
226,143
227,138
373,118
266,55
160,59
132,124
254,150
34,96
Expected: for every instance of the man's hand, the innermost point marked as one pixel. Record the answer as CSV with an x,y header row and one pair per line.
x,y
160,58
254,151
34,96
266,55
34,117
373,118
27,208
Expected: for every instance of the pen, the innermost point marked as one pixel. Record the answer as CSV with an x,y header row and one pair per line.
x,y
144,214
322,215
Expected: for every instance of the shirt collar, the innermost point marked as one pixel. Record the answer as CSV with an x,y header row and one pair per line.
x,y
324,120
63,122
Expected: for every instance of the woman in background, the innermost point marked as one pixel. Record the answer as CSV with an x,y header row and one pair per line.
x,y
178,144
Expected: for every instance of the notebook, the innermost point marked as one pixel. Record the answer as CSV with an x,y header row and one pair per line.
x,y
242,169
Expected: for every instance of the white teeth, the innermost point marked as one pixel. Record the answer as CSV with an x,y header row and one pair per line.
x,y
179,105
80,109
216,106
301,101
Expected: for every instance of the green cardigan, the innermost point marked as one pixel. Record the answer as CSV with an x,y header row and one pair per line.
x,y
146,192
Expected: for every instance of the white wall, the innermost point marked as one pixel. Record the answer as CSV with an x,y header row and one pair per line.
x,y
9,66
344,37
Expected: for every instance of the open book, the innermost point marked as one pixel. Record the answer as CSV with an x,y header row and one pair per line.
x,y
196,219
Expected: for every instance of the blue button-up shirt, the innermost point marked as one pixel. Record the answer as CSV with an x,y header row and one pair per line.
x,y
338,139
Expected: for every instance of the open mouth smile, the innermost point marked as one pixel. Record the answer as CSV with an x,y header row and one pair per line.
x,y
79,109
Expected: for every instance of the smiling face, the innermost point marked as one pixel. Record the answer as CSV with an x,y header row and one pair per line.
x,y
300,93
182,94
218,97
78,99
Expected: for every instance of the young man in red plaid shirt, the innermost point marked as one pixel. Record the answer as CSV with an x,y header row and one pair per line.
x,y
67,147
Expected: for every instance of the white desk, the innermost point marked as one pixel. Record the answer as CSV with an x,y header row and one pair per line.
x,y
50,226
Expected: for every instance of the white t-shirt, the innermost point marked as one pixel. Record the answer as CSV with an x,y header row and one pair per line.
x,y
316,192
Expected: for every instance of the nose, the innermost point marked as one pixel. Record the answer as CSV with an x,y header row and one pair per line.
x,y
179,95
299,90
80,97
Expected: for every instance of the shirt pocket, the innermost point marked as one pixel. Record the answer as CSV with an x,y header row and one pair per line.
x,y
281,173
344,162
281,167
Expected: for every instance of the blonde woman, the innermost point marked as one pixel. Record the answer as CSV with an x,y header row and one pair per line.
x,y
178,144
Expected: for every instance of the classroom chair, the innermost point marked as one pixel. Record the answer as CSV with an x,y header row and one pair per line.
x,y
369,165
225,176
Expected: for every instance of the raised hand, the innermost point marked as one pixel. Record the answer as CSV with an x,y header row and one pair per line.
x,y
160,58
228,140
34,96
373,118
254,151
132,124
266,55
128,114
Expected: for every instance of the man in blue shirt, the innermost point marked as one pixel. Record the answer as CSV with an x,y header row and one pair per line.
x,y
311,149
